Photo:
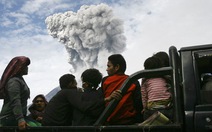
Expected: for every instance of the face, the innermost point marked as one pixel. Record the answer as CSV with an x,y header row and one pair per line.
x,y
111,69
25,71
39,104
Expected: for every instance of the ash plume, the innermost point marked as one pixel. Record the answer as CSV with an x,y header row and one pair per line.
x,y
88,34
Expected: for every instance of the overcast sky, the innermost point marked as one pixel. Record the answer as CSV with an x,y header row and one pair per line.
x,y
148,25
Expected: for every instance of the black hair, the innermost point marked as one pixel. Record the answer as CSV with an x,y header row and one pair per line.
x,y
92,76
164,58
152,63
65,80
118,59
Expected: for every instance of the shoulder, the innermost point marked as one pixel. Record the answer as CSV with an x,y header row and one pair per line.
x,y
156,81
67,91
116,77
104,78
15,80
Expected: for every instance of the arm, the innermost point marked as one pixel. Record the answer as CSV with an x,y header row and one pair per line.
x,y
14,93
90,106
78,101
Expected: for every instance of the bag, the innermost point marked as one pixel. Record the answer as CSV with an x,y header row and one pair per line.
x,y
156,119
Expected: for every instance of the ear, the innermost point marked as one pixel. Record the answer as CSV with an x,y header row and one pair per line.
x,y
117,67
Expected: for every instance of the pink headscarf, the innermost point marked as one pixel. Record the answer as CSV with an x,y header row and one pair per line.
x,y
14,67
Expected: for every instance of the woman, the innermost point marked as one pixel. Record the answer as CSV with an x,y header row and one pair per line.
x,y
15,93
37,108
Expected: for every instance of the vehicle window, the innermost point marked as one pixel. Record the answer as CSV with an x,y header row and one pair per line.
x,y
203,60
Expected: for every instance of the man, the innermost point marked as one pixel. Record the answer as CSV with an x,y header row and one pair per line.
x,y
128,110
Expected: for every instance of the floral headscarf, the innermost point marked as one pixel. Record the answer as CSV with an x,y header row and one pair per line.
x,y
14,67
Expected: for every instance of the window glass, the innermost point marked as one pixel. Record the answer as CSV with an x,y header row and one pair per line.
x,y
203,61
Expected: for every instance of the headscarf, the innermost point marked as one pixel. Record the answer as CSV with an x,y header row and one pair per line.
x,y
15,66
41,96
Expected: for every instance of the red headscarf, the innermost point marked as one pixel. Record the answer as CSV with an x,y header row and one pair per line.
x,y
14,67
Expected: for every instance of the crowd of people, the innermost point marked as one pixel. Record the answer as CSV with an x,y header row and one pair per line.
x,y
71,107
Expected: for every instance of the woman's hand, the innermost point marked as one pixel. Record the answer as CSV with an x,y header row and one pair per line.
x,y
39,118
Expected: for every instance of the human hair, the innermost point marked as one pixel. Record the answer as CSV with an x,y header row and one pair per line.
x,y
118,59
92,76
164,58
152,63
65,80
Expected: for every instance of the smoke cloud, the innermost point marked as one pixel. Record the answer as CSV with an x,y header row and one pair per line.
x,y
88,34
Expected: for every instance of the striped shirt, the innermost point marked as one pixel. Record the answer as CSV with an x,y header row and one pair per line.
x,y
154,89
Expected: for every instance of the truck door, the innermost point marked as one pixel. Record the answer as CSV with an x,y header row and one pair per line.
x,y
202,61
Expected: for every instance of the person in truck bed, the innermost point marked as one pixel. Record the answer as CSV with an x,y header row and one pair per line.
x,y
91,79
15,93
37,108
155,91
128,110
59,111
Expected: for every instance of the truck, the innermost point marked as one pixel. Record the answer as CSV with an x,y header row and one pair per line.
x,y
192,105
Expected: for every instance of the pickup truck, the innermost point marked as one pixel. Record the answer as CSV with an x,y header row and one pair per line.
x,y
192,112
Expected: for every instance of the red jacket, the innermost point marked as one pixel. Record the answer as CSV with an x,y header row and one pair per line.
x,y
125,112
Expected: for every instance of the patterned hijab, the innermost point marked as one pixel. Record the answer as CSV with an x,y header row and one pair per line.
x,y
41,96
15,66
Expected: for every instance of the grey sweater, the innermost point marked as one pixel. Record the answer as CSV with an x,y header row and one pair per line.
x,y
15,102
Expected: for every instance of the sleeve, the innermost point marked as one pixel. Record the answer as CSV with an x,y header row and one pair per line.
x,y
99,108
14,92
86,106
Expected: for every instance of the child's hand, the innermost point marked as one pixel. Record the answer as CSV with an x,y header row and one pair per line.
x,y
115,95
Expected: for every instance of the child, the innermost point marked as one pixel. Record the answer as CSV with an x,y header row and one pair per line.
x,y
91,79
155,93
164,58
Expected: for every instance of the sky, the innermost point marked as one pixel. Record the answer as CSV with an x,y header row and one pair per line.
x,y
141,28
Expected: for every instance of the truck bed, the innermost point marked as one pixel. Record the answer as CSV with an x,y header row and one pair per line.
x,y
121,128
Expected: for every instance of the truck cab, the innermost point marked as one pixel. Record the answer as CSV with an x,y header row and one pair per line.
x,y
196,63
